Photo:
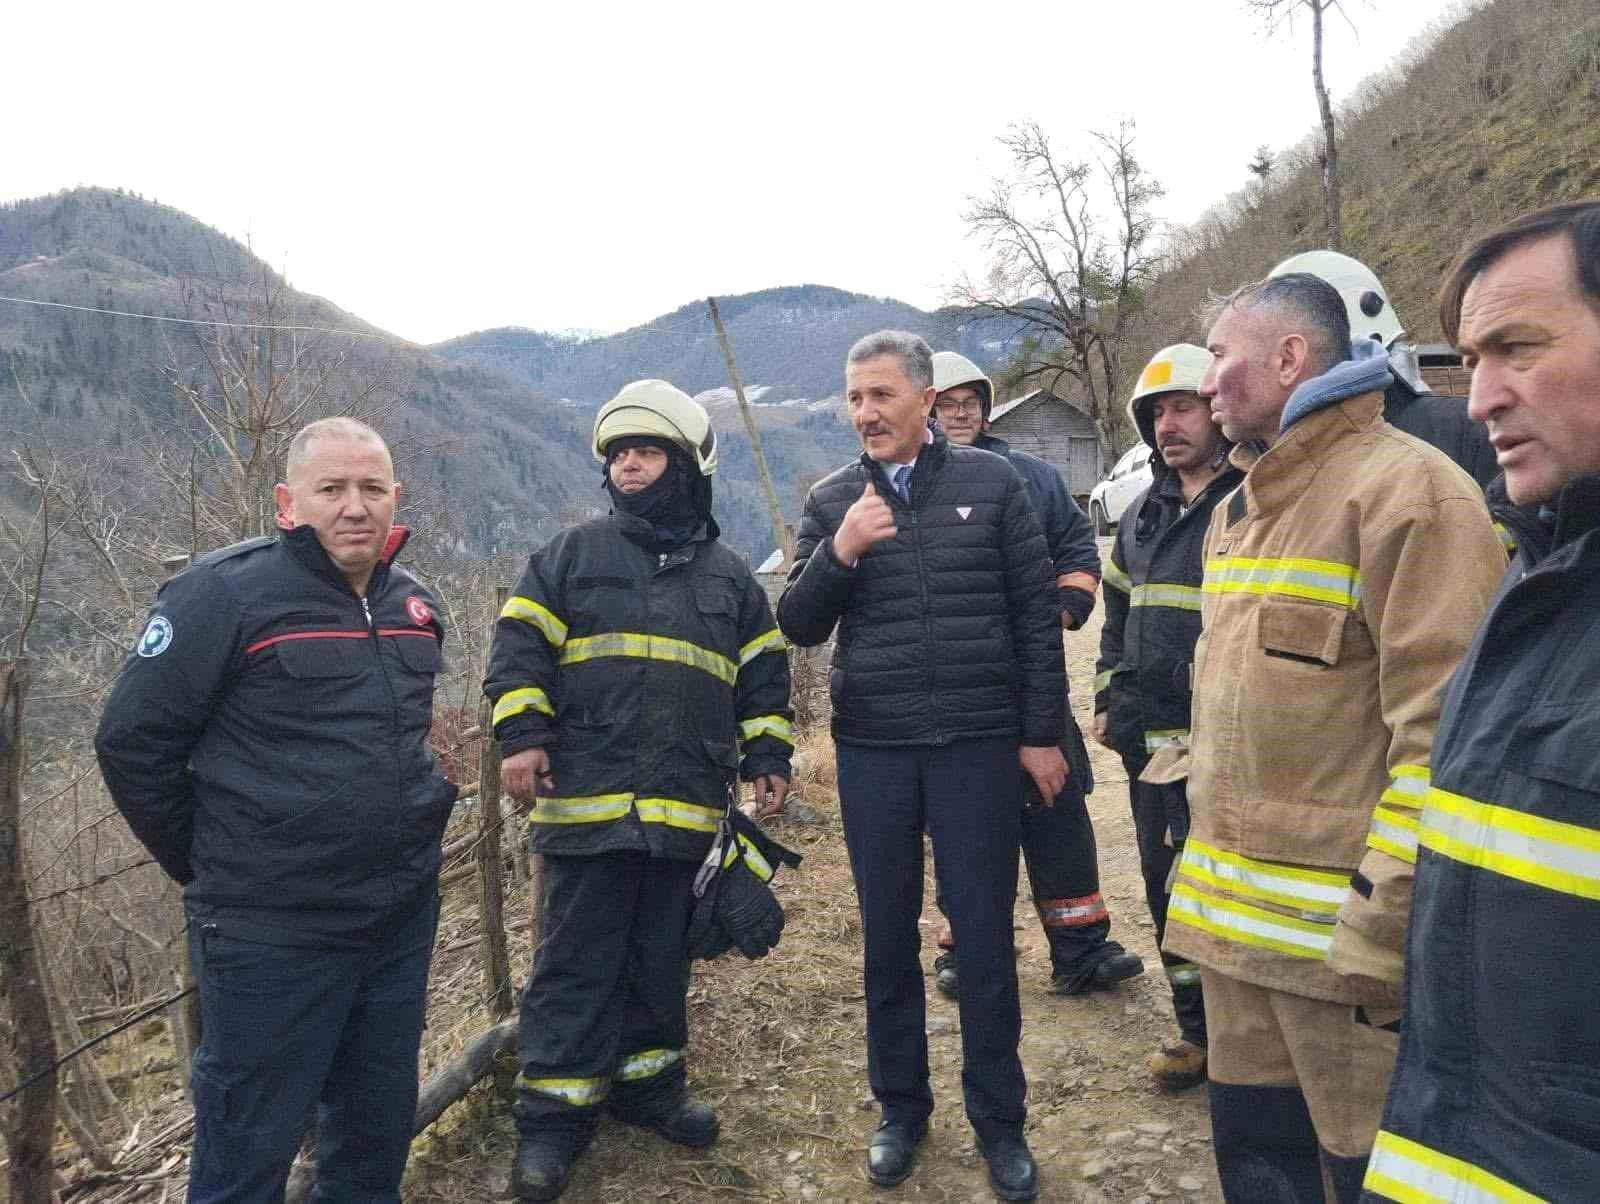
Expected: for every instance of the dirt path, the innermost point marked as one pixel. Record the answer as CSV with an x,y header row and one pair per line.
x,y
779,1047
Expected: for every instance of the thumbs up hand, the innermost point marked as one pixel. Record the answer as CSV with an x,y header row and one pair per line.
x,y
868,521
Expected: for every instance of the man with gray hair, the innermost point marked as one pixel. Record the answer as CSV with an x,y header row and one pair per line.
x,y
1343,580
948,682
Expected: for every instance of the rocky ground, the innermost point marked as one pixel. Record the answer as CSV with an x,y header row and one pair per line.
x,y
779,1048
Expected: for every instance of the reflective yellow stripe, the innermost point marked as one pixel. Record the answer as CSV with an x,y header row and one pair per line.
x,y
1408,786
1102,681
1291,576
1161,737
529,611
675,813
1315,894
1159,593
1508,541
768,641
759,865
1247,925
602,808
1116,578
514,702
1558,856
581,809
584,1093
767,725
1394,832
645,1063
1410,1172
649,647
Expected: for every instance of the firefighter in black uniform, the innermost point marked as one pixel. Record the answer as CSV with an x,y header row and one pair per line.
x,y
268,743
636,675
1152,621
1057,836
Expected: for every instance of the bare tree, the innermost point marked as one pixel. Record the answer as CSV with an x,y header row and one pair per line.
x,y
1070,240
1276,11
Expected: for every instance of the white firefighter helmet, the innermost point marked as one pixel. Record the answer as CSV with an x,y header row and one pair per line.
x,y
662,411
1175,369
951,370
1366,302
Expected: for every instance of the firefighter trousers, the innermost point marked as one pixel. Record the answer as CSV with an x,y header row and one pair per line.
x,y
1160,824
1297,1089
603,1018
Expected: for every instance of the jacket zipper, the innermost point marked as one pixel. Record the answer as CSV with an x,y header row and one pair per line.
x,y
394,728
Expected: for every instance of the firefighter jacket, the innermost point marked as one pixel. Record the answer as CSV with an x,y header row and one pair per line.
x,y
950,629
267,742
1343,580
1152,616
1496,1095
655,680
1068,533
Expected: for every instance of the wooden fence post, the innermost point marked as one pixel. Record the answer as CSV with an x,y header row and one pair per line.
x,y
30,1121
491,885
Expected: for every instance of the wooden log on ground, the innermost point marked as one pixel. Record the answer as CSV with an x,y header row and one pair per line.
x,y
455,1080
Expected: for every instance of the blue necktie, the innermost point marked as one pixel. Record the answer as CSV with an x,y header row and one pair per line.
x,y
902,482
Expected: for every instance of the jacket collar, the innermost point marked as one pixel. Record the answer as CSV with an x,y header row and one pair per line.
x,y
1366,369
1542,530
931,459
1275,476
302,543
989,443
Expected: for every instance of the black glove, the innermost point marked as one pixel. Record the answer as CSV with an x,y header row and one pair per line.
x,y
749,912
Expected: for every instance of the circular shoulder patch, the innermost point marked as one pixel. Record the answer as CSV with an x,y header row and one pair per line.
x,y
157,637
418,610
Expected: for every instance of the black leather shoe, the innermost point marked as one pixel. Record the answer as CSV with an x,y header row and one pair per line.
x,y
540,1171
945,975
1106,974
893,1150
685,1121
1012,1171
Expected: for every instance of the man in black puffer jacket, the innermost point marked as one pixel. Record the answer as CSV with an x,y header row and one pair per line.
x,y
948,671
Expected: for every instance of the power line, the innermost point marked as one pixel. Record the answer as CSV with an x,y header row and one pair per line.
x,y
123,313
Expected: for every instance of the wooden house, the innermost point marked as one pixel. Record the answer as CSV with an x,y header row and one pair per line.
x,y
1058,432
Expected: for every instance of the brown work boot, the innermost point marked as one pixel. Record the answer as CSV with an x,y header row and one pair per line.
x,y
1177,1064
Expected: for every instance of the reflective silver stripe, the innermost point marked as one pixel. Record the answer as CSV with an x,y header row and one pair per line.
x,y
767,725
768,641
1116,578
1158,593
1410,1172
649,647
675,813
1408,786
645,1063
1291,576
584,1093
1247,925
1315,894
753,858
1162,737
514,702
1394,832
540,616
581,809
1558,856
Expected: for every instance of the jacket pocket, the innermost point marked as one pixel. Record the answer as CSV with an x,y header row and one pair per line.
x,y
1559,743
1301,631
323,657
420,654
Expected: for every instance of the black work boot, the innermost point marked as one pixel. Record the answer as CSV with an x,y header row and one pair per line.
x,y
945,976
540,1171
682,1120
1117,966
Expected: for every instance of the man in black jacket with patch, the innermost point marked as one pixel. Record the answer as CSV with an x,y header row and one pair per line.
x,y
1152,621
947,679
267,742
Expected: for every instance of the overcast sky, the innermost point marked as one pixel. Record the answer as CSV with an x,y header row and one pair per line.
x,y
444,168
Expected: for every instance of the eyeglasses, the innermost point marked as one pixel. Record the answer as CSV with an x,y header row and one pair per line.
x,y
951,409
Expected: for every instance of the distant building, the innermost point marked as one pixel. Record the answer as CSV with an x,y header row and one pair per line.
x,y
1441,368
1058,432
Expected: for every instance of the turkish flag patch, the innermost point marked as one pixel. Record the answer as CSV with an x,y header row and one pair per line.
x,y
420,614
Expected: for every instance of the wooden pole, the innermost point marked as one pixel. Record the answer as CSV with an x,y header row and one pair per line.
x,y
30,1120
780,529
491,886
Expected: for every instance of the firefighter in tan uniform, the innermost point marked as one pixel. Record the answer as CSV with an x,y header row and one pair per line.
x,y
1343,580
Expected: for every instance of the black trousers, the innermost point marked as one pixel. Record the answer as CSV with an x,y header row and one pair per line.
x,y
1158,810
966,797
603,1016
